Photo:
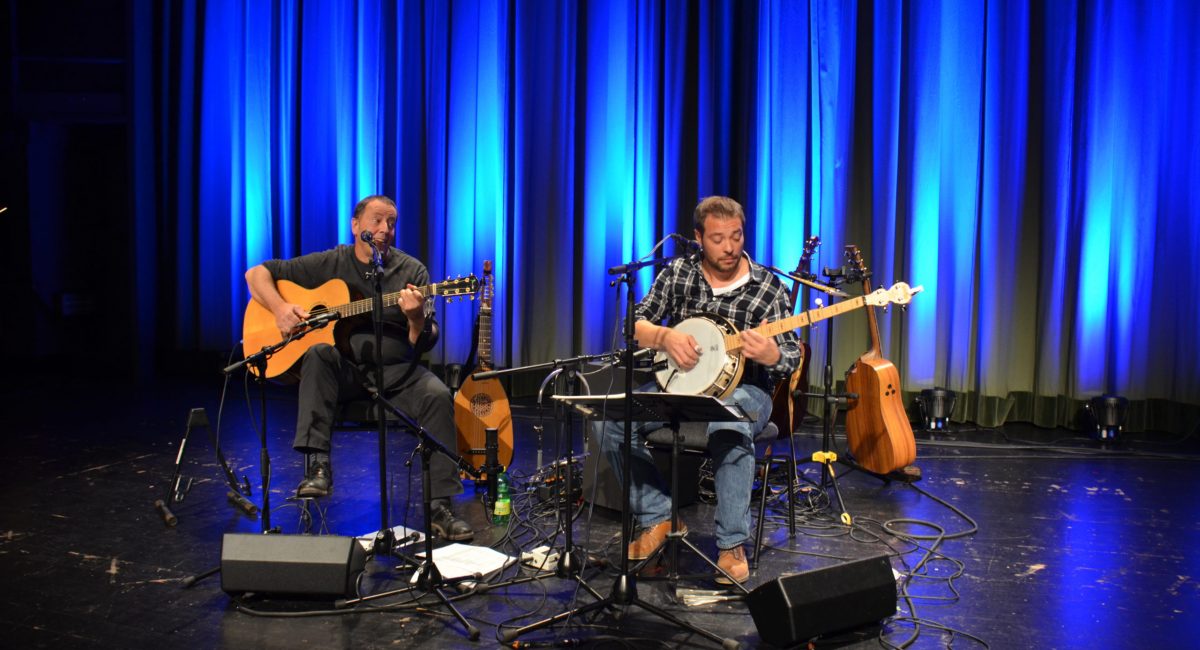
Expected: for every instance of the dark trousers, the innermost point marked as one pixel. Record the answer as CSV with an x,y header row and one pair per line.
x,y
328,378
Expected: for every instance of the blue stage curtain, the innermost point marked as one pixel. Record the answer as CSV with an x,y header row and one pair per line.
x,y
1030,164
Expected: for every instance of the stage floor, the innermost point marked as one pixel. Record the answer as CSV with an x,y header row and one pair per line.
x,y
1077,546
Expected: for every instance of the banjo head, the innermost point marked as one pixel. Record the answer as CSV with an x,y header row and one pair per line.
x,y
717,371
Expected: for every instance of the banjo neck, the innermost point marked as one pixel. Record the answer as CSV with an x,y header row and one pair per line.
x,y
734,341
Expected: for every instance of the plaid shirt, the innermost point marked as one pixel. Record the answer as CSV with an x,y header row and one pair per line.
x,y
680,291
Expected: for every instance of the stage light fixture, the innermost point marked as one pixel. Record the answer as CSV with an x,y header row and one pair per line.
x,y
1108,412
936,406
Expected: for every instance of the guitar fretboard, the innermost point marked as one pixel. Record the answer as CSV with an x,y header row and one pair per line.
x,y
364,306
485,335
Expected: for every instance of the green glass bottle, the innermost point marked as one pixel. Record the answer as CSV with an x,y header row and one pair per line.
x,y
503,508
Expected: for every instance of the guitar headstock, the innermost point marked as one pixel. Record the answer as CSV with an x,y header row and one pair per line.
x,y
488,286
810,247
459,287
899,293
854,260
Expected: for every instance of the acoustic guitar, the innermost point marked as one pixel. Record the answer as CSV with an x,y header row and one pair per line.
x,y
785,409
483,404
877,427
259,329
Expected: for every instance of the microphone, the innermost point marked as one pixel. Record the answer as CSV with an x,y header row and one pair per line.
x,y
367,236
690,246
168,517
242,503
320,320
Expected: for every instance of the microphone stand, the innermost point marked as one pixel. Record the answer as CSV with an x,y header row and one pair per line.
x,y
385,539
624,590
258,361
429,578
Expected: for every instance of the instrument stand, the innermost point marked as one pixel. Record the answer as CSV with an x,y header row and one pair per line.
x,y
832,401
429,579
624,590
177,489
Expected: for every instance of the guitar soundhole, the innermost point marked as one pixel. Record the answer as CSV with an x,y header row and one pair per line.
x,y
481,405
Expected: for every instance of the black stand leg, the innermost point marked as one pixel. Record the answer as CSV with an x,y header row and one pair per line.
x,y
264,459
428,576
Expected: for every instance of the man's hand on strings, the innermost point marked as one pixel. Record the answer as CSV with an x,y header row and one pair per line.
x,y
288,317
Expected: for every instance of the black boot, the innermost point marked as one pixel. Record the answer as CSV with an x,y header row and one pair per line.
x,y
318,476
446,525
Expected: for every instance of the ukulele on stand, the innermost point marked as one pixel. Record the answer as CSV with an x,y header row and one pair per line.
x,y
480,405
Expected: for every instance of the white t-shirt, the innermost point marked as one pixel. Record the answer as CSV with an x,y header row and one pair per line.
x,y
731,286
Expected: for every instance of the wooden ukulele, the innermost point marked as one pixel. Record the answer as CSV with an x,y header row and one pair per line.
x,y
786,410
483,404
259,329
877,427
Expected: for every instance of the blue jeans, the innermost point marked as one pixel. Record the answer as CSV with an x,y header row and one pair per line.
x,y
731,445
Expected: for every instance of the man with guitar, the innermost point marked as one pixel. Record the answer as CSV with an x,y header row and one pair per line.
x,y
330,374
720,280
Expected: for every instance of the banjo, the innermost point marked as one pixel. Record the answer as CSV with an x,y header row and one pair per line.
x,y
720,366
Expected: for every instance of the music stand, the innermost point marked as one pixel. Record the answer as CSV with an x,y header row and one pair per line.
x,y
673,409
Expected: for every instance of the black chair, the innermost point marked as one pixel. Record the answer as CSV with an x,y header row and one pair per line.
x,y
694,440
360,415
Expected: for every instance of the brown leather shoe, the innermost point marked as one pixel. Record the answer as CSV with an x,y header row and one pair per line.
x,y
648,541
733,562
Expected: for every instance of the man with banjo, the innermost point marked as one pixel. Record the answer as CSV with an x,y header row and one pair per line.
x,y
718,291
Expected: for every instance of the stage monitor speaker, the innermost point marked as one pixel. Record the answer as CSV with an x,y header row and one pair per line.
x,y
291,565
793,609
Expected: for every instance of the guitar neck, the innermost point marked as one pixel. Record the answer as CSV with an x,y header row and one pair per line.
x,y
485,337
734,341
873,325
364,306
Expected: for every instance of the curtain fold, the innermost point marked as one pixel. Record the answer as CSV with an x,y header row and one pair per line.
x,y
1029,164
